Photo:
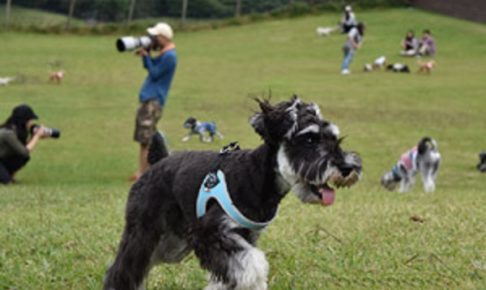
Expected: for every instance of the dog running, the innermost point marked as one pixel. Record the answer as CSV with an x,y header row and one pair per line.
x,y
423,158
56,76
426,67
205,130
217,204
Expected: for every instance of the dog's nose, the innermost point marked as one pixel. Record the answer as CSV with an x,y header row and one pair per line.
x,y
346,169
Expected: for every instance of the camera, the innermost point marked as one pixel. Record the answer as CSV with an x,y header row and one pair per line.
x,y
128,43
49,132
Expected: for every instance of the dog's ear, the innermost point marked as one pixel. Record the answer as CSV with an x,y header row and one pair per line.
x,y
274,123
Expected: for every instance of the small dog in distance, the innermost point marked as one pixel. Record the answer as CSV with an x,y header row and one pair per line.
x,y
398,67
56,76
426,67
205,130
423,158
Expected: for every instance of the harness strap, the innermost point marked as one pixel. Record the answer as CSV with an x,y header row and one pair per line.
x,y
220,193
214,187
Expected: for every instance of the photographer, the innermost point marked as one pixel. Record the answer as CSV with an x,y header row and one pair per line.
x,y
153,94
15,149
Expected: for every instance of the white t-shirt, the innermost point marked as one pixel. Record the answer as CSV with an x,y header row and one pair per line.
x,y
351,20
354,35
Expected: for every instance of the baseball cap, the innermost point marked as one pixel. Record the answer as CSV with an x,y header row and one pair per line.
x,y
161,28
23,113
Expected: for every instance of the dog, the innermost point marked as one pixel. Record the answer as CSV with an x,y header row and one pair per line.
x,y
423,158
426,67
377,64
205,130
6,80
398,67
56,76
218,204
325,31
482,162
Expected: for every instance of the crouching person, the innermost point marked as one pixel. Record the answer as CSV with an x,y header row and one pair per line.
x,y
15,144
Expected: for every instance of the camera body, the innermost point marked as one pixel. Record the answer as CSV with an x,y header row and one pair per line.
x,y
49,132
128,43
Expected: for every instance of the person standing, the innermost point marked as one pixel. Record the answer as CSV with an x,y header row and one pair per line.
x,y
353,43
348,20
153,94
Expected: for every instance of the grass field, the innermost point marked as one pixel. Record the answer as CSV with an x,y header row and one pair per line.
x,y
60,225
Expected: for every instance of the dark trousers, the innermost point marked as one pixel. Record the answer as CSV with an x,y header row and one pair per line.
x,y
10,165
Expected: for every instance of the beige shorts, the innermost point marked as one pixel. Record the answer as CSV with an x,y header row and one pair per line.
x,y
148,114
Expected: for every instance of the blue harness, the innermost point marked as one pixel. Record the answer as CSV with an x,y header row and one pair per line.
x,y
214,187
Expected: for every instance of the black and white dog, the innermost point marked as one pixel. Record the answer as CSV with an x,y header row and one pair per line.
x,y
423,158
205,130
398,67
165,219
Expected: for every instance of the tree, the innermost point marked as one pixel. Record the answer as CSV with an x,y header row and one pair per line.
x,y
130,11
8,7
184,10
238,8
72,4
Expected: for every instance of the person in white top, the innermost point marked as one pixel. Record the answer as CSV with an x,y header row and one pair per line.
x,y
348,21
353,43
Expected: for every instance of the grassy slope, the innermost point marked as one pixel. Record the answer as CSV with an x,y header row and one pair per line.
x,y
60,224
24,17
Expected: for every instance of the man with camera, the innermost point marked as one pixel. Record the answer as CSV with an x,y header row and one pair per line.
x,y
15,145
153,94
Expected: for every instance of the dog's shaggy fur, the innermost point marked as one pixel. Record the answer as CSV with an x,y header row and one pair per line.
x,y
301,150
424,158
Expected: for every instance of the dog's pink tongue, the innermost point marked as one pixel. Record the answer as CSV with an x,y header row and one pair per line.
x,y
327,194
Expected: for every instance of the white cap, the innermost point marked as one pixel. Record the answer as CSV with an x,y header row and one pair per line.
x,y
348,8
161,28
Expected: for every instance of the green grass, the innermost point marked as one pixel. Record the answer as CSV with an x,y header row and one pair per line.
x,y
61,223
24,17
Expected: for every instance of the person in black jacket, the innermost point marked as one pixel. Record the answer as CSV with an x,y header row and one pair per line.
x,y
15,144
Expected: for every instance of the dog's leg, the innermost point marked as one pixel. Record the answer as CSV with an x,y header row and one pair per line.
x,y
187,137
141,236
234,263
428,177
220,136
405,184
131,264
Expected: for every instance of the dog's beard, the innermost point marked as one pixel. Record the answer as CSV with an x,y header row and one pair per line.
x,y
311,182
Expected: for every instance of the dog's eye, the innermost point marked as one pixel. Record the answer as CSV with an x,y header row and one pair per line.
x,y
310,139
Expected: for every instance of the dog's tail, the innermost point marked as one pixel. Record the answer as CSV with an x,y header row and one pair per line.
x,y
427,143
158,149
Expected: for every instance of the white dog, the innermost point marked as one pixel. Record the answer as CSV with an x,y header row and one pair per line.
x,y
6,80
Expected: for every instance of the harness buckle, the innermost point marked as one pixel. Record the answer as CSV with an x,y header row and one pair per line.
x,y
211,181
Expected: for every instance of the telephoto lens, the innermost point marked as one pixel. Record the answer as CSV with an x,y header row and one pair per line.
x,y
49,132
128,43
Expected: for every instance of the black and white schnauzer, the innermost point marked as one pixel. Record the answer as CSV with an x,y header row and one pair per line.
x,y
423,158
398,67
205,130
482,162
218,204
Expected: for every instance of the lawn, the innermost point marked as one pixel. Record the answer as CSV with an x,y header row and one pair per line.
x,y
60,224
